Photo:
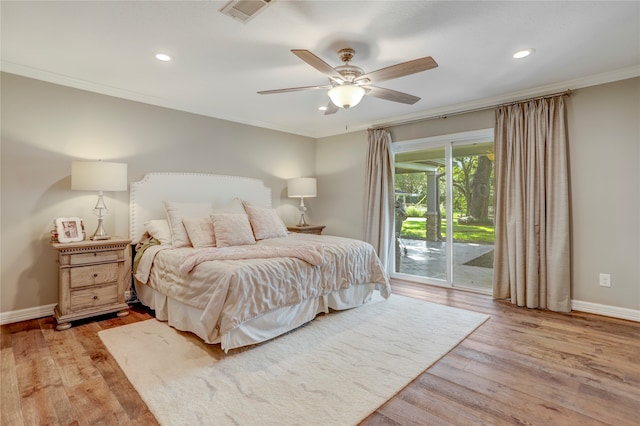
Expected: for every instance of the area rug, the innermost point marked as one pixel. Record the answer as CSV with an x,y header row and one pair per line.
x,y
337,369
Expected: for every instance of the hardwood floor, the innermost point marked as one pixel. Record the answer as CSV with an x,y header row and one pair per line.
x,y
520,367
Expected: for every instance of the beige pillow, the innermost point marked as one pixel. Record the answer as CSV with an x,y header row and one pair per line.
x,y
233,206
232,229
159,229
200,232
265,222
176,212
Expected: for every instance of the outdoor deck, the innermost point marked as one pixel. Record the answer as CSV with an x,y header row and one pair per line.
x,y
473,263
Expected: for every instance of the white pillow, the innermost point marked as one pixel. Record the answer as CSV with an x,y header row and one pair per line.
x,y
200,232
159,229
232,229
265,222
176,212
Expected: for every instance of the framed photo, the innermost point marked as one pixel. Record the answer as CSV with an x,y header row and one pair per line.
x,y
69,229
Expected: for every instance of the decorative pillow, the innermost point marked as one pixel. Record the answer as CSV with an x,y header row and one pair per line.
x,y
232,229
178,211
159,229
233,206
265,222
200,232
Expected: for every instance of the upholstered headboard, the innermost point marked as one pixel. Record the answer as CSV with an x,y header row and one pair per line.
x,y
146,197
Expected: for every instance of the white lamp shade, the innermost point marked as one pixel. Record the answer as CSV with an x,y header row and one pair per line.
x,y
98,176
301,187
346,96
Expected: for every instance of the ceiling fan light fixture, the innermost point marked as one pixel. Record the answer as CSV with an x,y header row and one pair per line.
x,y
346,96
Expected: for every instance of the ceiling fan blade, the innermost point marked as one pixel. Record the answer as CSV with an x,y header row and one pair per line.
x,y
317,63
400,70
391,95
293,89
331,109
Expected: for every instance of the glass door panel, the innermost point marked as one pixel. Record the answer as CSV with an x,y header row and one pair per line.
x,y
421,239
472,214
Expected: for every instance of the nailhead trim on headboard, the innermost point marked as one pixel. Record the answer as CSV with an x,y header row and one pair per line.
x,y
146,196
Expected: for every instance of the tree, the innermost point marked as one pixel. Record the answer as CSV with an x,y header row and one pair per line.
x,y
461,174
481,189
411,183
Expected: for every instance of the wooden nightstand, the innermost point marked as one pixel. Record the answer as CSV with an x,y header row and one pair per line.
x,y
92,279
311,229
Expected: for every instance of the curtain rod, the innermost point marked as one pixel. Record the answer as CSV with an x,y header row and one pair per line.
x,y
467,111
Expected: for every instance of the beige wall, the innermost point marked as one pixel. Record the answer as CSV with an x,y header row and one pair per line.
x,y
340,169
604,140
46,126
604,151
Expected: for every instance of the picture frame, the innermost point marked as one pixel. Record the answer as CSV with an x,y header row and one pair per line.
x,y
69,229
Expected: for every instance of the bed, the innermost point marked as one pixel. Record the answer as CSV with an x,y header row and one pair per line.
x,y
199,269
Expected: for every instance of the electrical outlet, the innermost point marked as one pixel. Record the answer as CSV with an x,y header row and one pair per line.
x,y
605,280
127,295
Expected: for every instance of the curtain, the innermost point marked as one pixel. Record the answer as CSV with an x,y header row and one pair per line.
x,y
532,263
379,194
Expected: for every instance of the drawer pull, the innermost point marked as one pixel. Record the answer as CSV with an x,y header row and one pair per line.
x,y
95,275
95,297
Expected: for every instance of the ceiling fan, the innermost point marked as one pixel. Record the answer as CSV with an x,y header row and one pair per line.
x,y
348,83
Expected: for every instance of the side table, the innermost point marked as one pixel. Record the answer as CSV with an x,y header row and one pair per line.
x,y
93,277
310,229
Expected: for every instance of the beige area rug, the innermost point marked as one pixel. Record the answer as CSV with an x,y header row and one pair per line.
x,y
336,370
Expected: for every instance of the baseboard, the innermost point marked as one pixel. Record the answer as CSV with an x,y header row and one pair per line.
x,y
576,305
609,311
26,314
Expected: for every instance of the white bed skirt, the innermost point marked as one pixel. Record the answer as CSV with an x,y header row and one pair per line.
x,y
268,326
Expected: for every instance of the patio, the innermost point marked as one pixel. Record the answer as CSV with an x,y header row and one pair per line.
x,y
473,265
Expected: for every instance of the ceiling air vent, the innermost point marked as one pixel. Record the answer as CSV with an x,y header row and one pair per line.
x,y
244,10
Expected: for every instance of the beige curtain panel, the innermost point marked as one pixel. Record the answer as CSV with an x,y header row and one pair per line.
x,y
532,263
379,194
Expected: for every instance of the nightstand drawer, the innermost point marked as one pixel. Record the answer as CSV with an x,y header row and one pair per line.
x,y
94,296
94,257
83,276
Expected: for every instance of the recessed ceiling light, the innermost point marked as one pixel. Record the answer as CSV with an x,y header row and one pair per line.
x,y
523,53
322,108
163,57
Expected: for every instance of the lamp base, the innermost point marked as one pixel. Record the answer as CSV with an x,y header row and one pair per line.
x,y
100,233
302,222
302,209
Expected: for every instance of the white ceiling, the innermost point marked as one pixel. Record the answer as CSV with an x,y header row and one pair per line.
x,y
219,63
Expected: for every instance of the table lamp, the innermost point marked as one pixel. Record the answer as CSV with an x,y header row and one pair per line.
x,y
99,176
301,187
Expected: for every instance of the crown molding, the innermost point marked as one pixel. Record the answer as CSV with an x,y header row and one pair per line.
x,y
63,80
578,83
592,80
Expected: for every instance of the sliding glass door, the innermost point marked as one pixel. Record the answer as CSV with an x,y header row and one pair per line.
x,y
444,210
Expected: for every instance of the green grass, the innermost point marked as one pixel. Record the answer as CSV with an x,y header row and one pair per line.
x,y
415,228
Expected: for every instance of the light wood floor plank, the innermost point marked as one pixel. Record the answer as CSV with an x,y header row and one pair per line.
x,y
11,412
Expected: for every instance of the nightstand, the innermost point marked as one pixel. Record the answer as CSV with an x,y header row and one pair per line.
x,y
311,229
93,277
